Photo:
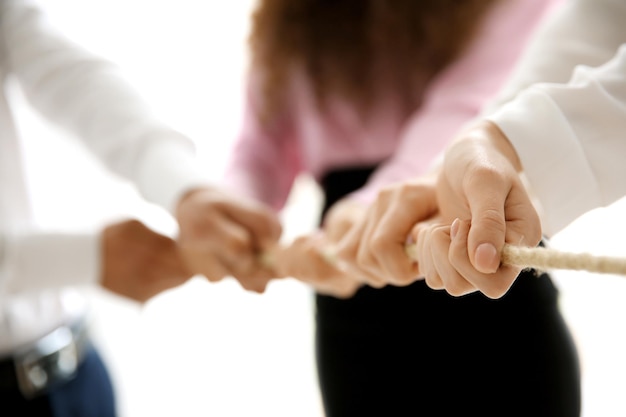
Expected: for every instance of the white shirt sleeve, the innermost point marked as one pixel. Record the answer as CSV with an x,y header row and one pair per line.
x,y
86,96
32,261
578,32
571,139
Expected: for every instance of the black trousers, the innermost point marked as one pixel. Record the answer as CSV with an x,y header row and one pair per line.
x,y
414,351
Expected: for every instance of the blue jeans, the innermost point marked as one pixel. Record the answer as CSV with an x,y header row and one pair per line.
x,y
89,394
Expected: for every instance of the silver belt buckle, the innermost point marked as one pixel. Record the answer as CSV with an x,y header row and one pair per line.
x,y
52,359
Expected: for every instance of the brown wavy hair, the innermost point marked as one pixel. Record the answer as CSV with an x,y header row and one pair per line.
x,y
357,48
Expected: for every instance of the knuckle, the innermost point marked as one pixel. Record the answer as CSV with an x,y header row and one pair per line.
x,y
482,173
493,293
377,284
134,224
387,192
236,245
346,253
456,288
433,281
496,288
364,259
402,279
492,219
378,244
407,189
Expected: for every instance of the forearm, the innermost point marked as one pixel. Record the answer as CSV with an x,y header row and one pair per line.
x,y
265,159
88,97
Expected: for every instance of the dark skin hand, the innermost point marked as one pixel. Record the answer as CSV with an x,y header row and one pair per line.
x,y
139,263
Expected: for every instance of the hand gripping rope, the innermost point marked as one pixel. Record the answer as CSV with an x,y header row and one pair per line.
x,y
540,258
543,258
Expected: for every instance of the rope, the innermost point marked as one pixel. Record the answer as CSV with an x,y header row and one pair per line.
x,y
542,258
539,258
546,258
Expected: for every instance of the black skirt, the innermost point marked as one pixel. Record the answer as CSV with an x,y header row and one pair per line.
x,y
414,351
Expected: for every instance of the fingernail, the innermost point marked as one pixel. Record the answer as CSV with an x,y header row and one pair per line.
x,y
454,228
487,259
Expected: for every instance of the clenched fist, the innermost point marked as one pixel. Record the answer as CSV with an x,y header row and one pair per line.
x,y
139,263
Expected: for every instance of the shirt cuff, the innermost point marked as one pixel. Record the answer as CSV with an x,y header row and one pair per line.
x,y
37,261
551,156
167,170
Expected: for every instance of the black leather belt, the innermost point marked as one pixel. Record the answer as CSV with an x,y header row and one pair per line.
x,y
48,362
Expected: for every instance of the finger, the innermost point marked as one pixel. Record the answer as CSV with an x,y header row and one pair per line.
x,y
451,280
166,281
341,218
423,255
255,283
366,266
304,259
365,277
346,256
231,243
207,265
341,287
338,277
366,259
346,249
262,223
523,226
389,239
493,285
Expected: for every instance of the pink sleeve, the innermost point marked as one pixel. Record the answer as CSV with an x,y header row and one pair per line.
x,y
457,95
264,162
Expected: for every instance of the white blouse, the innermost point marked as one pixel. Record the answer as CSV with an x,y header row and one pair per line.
x,y
564,111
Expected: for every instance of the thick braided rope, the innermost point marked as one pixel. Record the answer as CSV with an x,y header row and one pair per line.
x,y
539,258
547,258
542,258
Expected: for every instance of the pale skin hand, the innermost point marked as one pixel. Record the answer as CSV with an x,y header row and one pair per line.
x,y
376,245
311,258
139,263
222,235
479,184
304,260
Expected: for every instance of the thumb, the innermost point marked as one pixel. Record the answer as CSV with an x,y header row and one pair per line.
x,y
488,226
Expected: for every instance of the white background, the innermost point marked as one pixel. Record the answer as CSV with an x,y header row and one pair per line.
x,y
212,349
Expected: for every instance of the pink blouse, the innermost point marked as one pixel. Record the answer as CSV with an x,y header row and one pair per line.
x,y
265,163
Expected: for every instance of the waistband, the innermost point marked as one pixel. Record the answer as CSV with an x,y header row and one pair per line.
x,y
48,362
